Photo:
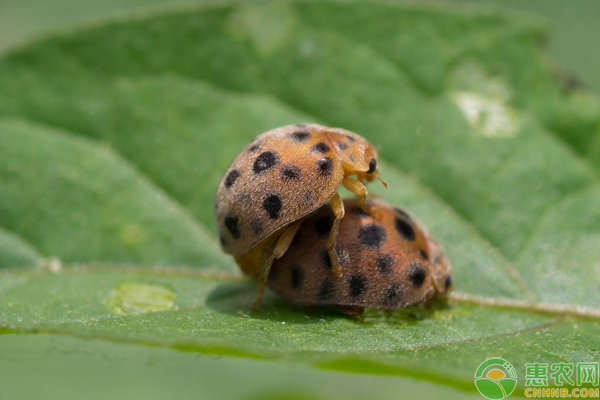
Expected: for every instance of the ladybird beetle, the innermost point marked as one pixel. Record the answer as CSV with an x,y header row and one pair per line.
x,y
282,176
389,261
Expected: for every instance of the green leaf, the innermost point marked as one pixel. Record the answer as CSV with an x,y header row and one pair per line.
x,y
115,137
77,200
14,252
210,315
61,368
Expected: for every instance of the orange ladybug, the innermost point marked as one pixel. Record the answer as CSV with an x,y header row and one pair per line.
x,y
389,261
281,177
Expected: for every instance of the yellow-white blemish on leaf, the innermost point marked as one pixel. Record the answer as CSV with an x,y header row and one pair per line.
x,y
487,115
267,25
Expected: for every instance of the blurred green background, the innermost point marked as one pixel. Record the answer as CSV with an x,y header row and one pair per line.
x,y
573,44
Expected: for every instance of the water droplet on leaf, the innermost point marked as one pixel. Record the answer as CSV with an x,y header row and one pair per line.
x,y
137,298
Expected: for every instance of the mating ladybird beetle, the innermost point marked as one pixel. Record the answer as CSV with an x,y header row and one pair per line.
x,y
389,261
282,176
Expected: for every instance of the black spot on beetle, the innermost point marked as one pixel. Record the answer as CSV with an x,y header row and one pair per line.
x,y
448,282
424,255
253,148
320,148
416,274
385,264
402,213
372,166
272,205
297,276
265,161
392,295
325,259
351,138
231,178
372,236
290,173
223,241
358,285
352,159
405,230
325,166
232,225
342,145
323,225
301,136
326,291
256,226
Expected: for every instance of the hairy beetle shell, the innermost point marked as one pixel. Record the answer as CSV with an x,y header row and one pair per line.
x,y
282,176
389,261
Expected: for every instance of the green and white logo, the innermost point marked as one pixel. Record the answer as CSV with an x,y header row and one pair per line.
x,y
496,378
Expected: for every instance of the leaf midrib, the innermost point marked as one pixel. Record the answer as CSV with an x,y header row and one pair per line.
x,y
333,359
231,277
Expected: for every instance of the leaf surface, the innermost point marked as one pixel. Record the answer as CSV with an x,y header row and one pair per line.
x,y
116,136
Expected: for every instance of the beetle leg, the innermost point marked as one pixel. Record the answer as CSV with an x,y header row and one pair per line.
x,y
360,190
285,240
356,187
262,281
281,245
337,205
